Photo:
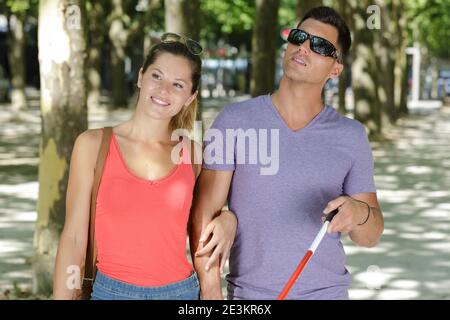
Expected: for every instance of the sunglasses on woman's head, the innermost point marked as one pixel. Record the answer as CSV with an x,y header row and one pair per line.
x,y
193,46
317,44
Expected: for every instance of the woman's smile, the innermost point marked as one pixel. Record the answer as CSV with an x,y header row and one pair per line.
x,y
159,101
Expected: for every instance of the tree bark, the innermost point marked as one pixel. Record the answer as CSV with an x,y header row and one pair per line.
x,y
386,41
303,6
122,30
96,40
118,36
264,42
364,71
16,59
174,16
62,54
401,61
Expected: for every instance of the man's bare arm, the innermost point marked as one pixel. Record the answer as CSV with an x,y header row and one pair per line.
x,y
359,216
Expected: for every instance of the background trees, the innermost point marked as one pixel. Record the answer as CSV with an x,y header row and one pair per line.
x,y
83,64
62,59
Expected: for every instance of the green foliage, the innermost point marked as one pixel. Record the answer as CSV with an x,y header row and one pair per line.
x,y
21,6
230,16
429,23
287,16
231,21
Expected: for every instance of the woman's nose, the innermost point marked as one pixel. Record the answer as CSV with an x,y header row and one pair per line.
x,y
164,86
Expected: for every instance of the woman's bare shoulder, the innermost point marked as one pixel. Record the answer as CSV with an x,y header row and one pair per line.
x,y
88,143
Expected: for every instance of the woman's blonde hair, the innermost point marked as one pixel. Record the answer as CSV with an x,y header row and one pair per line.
x,y
186,117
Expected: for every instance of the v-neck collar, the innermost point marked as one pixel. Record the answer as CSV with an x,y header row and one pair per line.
x,y
270,104
142,179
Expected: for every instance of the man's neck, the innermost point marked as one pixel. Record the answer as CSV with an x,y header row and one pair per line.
x,y
297,103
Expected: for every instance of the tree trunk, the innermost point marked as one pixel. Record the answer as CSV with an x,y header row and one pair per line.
x,y
119,86
385,83
174,16
118,36
191,9
364,71
16,59
303,6
386,41
62,52
401,61
147,43
182,17
96,40
122,30
264,43
343,9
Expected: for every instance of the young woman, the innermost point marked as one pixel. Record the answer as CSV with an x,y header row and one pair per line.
x,y
146,189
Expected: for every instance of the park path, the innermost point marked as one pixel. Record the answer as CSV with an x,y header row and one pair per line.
x,y
412,174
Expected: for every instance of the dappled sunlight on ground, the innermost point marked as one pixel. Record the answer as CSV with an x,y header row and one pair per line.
x,y
19,159
413,180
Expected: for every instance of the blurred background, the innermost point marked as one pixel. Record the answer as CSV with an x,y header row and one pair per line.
x,y
68,65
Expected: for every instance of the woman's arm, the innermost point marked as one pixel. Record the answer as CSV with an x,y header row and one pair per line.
x,y
73,241
221,232
209,197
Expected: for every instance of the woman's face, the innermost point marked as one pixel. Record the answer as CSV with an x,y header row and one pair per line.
x,y
165,87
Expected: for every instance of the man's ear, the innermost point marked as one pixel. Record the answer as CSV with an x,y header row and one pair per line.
x,y
141,74
336,71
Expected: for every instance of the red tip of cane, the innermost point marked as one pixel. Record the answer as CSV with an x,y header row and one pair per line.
x,y
295,275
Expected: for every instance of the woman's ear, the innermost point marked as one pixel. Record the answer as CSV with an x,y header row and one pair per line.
x,y
191,98
141,74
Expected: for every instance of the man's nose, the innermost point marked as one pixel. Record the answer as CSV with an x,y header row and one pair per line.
x,y
304,48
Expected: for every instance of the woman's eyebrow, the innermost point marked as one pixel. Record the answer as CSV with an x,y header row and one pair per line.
x,y
177,79
158,70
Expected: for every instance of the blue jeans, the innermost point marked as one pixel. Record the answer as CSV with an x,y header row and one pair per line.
x,y
106,288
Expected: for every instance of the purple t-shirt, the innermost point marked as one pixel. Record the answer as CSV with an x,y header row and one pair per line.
x,y
282,181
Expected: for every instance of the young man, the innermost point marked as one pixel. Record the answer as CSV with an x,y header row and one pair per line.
x,y
321,156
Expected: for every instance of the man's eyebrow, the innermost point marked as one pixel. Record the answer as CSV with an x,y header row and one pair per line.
x,y
179,79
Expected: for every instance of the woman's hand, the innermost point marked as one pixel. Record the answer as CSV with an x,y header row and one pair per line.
x,y
223,230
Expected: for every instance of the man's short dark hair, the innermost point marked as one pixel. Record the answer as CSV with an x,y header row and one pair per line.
x,y
330,16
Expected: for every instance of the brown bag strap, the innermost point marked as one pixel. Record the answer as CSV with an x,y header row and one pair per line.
x,y
91,253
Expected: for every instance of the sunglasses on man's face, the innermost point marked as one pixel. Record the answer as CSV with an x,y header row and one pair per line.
x,y
193,46
317,44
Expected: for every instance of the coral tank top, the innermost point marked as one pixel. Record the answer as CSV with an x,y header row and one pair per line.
x,y
141,225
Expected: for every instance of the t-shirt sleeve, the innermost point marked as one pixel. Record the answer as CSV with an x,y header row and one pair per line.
x,y
218,146
360,178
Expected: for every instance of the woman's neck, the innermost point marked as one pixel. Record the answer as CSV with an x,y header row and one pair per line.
x,y
145,129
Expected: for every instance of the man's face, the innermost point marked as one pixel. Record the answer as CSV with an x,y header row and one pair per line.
x,y
302,64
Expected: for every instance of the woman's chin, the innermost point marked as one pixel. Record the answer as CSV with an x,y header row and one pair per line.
x,y
158,115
